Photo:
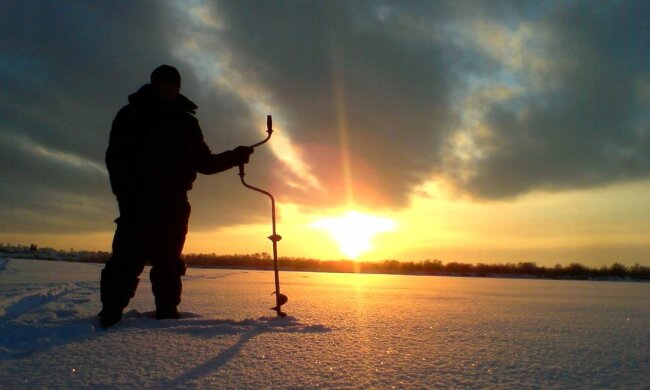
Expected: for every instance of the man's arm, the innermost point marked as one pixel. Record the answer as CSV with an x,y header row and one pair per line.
x,y
208,163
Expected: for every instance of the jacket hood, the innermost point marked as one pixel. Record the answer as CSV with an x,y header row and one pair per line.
x,y
146,96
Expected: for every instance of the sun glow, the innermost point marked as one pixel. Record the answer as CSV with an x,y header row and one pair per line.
x,y
354,231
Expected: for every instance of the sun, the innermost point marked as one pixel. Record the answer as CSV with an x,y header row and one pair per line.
x,y
354,231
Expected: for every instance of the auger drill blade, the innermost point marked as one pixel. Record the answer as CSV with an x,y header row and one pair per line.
x,y
280,300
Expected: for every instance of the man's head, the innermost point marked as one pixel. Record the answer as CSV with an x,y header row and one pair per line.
x,y
167,82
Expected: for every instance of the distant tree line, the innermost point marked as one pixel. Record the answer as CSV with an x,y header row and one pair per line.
x,y
33,251
426,267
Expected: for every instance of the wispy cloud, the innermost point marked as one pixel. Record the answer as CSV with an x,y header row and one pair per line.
x,y
371,99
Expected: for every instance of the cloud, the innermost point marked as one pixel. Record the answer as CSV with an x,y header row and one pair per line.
x,y
45,190
579,117
66,69
371,99
365,92
496,100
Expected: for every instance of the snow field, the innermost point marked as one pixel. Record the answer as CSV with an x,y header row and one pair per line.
x,y
343,331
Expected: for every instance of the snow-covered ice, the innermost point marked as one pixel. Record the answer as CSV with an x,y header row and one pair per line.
x,y
343,331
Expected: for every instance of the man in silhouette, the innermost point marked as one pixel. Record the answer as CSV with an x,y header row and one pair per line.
x,y
155,150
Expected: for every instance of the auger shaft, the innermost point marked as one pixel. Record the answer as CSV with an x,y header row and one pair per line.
x,y
280,299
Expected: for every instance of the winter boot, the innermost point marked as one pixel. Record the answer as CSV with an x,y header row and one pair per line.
x,y
167,312
110,316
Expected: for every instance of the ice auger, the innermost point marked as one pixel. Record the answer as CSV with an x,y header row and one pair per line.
x,y
280,299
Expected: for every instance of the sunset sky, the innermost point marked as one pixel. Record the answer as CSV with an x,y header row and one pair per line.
x,y
493,131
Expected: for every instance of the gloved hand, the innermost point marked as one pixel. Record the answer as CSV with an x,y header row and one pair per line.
x,y
241,154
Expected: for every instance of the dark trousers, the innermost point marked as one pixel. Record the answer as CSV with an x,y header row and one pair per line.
x,y
154,232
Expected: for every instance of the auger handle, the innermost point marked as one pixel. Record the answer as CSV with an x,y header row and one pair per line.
x,y
269,132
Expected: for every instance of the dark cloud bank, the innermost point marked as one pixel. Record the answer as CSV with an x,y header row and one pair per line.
x,y
393,72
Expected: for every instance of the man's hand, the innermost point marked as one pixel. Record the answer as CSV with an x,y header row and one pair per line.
x,y
241,154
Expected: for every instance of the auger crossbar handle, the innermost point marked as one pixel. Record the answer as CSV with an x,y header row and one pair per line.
x,y
280,299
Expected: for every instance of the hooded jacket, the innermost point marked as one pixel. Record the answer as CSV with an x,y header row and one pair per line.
x,y
156,149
